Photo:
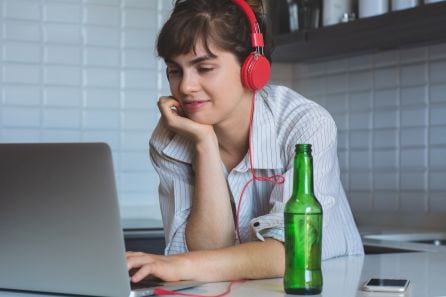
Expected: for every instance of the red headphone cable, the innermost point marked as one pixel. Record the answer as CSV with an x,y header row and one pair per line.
x,y
275,179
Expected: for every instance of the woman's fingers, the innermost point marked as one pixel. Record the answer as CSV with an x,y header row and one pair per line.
x,y
169,106
136,260
163,267
141,264
142,273
172,114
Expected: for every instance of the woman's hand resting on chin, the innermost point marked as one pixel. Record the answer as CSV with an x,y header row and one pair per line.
x,y
173,115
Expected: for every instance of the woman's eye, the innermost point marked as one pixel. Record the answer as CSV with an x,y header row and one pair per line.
x,y
205,69
173,72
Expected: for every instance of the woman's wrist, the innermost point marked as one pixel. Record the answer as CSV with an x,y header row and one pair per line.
x,y
207,144
185,266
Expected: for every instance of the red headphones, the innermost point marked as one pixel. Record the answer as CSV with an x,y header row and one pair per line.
x,y
256,70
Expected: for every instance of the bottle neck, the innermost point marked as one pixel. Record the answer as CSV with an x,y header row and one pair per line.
x,y
303,175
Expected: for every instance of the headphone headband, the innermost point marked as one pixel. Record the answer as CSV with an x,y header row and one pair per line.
x,y
256,35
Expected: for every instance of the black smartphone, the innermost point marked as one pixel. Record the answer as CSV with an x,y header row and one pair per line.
x,y
386,285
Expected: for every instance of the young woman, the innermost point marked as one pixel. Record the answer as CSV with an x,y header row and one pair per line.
x,y
219,223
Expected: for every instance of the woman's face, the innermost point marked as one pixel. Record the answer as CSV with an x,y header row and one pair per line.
x,y
209,86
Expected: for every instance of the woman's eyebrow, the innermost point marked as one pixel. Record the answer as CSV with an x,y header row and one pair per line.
x,y
193,61
201,59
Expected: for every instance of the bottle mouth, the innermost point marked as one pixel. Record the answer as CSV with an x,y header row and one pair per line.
x,y
303,147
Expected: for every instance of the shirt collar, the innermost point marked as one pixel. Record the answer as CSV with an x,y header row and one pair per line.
x,y
180,148
265,147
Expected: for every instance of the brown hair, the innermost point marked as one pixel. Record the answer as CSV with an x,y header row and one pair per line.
x,y
218,21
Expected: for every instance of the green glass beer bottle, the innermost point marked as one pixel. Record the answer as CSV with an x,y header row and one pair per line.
x,y
303,230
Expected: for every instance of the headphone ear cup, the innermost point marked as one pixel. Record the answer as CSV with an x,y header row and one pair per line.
x,y
255,72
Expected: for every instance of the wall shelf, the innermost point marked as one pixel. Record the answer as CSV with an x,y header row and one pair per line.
x,y
424,24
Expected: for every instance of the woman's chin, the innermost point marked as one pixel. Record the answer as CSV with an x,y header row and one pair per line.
x,y
201,120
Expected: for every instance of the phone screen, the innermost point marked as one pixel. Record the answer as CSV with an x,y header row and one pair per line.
x,y
386,285
387,282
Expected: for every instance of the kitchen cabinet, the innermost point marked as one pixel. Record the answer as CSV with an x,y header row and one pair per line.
x,y
145,240
421,25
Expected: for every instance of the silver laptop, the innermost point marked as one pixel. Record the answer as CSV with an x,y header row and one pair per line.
x,y
60,229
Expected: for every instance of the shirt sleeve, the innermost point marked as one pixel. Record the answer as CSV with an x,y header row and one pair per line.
x,y
175,190
322,136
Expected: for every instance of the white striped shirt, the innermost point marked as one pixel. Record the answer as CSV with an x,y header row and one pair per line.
x,y
282,118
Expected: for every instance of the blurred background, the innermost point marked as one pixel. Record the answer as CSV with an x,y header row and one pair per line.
x,y
86,71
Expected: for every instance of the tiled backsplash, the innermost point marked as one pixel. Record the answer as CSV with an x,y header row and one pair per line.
x,y
85,70
390,109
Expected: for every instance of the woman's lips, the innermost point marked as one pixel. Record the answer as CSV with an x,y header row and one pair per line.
x,y
193,105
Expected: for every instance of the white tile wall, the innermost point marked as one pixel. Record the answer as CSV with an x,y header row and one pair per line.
x,y
74,70
390,109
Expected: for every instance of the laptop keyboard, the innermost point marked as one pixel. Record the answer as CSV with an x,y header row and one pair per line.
x,y
146,283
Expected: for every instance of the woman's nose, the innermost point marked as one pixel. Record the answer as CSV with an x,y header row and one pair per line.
x,y
189,83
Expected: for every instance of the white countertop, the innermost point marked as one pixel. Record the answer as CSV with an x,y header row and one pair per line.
x,y
344,276
402,238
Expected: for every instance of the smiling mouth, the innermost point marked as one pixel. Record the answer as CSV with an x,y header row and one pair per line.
x,y
194,105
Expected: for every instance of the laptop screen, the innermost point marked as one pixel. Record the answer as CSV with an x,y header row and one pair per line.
x,y
59,220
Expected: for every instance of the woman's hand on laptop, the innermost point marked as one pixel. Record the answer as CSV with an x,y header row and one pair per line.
x,y
250,260
167,268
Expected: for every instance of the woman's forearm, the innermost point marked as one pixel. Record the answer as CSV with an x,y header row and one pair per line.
x,y
252,260
211,223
